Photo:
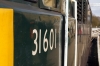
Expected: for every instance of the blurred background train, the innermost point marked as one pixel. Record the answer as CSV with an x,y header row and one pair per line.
x,y
50,32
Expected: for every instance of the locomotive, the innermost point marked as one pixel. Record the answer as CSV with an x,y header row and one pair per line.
x,y
46,32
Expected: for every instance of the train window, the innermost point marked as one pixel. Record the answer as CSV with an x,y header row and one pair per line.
x,y
34,1
17,0
71,9
50,4
45,4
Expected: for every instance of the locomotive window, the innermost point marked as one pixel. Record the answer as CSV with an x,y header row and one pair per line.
x,y
54,5
34,1
71,8
49,3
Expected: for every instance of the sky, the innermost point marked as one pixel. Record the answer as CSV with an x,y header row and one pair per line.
x,y
95,9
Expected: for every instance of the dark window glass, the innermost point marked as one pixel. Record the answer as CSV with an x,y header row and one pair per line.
x,y
71,9
31,0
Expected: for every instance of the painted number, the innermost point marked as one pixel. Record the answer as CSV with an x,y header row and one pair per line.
x,y
47,42
35,42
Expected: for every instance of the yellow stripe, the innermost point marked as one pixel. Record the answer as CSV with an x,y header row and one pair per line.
x,y
6,37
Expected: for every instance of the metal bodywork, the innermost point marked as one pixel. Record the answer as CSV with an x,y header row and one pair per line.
x,y
37,35
71,41
43,37
84,34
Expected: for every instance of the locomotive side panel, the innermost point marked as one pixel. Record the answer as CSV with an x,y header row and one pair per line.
x,y
37,35
71,41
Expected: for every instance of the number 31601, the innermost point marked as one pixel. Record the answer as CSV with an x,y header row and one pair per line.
x,y
51,42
